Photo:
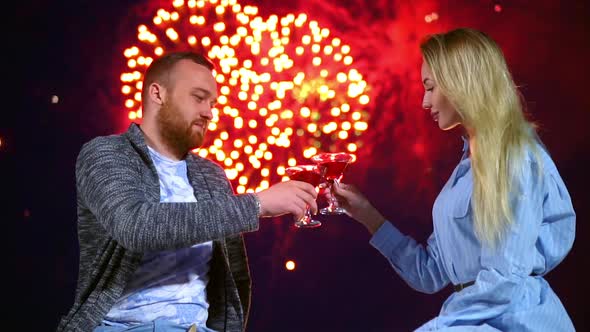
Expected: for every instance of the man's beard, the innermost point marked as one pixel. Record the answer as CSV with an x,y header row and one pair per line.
x,y
176,133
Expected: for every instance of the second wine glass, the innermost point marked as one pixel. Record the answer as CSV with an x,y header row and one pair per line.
x,y
332,166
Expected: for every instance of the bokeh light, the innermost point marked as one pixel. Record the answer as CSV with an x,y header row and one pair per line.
x,y
288,87
290,265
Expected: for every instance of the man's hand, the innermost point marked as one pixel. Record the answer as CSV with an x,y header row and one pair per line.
x,y
287,197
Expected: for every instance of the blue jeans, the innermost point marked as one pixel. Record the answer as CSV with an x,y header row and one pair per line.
x,y
158,325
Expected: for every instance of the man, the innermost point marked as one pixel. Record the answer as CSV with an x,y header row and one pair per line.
x,y
159,227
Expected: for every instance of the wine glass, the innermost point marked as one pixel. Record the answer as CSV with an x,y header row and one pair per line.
x,y
332,166
311,175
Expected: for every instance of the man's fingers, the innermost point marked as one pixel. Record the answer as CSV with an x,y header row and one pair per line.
x,y
305,187
314,207
305,196
299,208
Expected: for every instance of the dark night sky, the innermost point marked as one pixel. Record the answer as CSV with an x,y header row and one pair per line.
x,y
73,49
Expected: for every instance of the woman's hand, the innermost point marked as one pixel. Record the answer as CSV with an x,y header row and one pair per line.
x,y
357,206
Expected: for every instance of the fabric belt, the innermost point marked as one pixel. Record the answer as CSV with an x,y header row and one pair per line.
x,y
460,287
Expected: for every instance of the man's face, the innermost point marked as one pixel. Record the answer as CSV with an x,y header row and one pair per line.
x,y
185,114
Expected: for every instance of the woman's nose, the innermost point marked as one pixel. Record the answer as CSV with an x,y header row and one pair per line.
x,y
426,104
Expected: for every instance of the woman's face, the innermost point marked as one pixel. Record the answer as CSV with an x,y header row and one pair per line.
x,y
441,109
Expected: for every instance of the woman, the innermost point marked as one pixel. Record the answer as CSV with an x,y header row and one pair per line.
x,y
502,221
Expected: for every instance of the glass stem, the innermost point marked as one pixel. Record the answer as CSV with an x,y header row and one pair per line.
x,y
333,201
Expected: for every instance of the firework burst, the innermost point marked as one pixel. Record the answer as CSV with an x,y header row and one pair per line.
x,y
288,88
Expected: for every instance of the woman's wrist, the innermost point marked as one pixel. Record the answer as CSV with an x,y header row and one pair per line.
x,y
375,223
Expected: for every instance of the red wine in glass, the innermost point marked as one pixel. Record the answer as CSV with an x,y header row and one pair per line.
x,y
332,166
311,175
333,170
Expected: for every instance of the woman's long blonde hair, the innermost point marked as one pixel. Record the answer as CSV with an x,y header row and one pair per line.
x,y
469,68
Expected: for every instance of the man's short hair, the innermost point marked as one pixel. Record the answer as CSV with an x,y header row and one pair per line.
x,y
159,70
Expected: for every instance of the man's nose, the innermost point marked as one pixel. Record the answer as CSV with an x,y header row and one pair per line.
x,y
207,113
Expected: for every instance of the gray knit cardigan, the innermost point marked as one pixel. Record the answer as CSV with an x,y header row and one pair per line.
x,y
120,217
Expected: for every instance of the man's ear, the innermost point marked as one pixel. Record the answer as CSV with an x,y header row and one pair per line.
x,y
157,93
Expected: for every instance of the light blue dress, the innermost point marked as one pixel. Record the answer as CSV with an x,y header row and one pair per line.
x,y
510,293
